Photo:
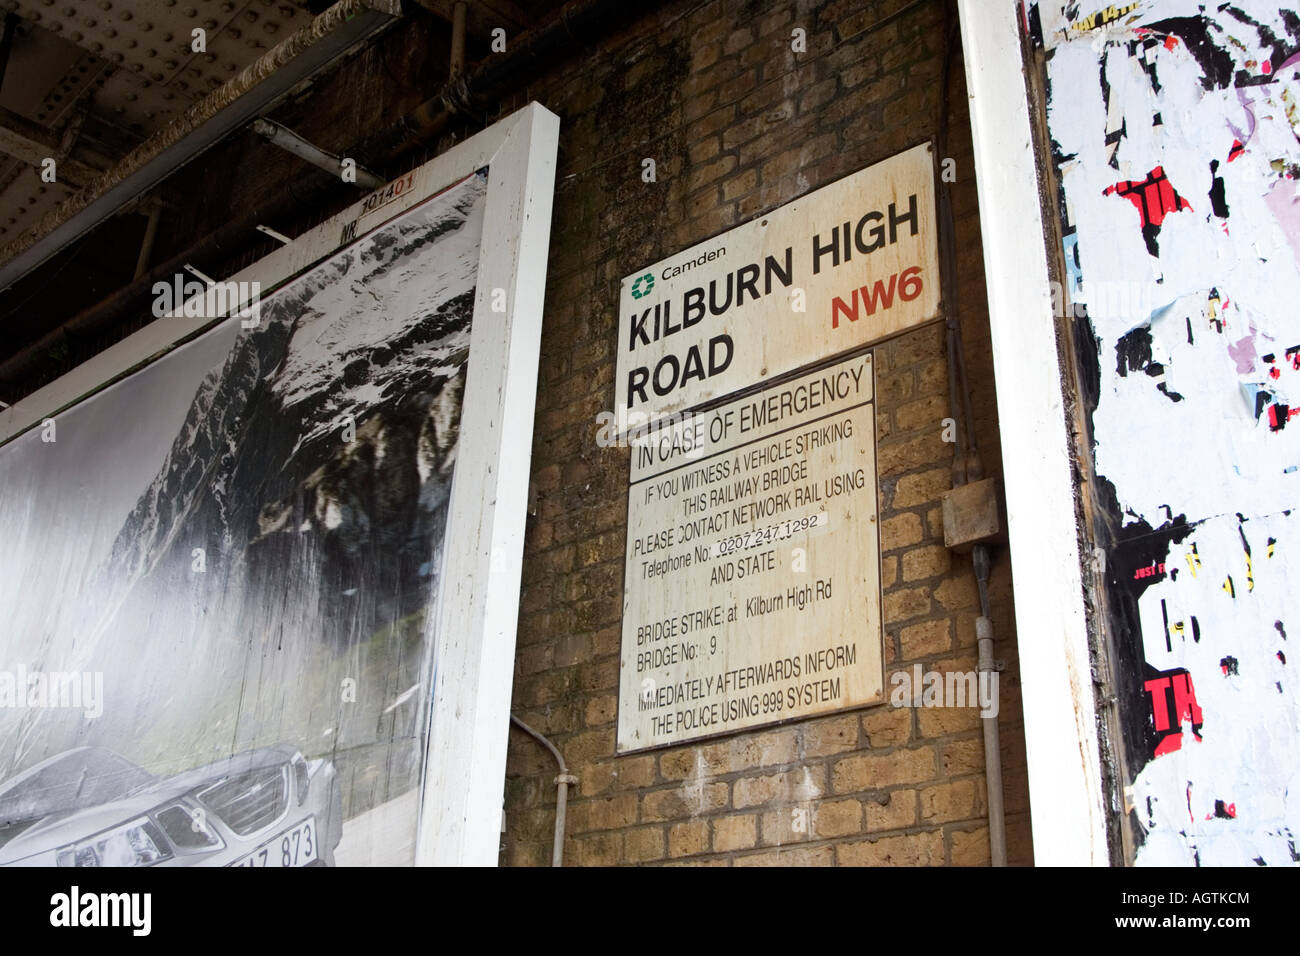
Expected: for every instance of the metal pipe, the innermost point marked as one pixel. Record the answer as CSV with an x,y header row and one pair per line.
x,y
291,142
456,64
563,781
992,745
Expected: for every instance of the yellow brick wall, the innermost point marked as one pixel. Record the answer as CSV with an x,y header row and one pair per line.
x,y
738,125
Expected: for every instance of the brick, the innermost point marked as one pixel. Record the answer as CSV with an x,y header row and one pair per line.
x,y
601,849
928,561
970,847
890,811
836,818
644,845
958,593
528,854
774,21
601,710
738,40
887,726
963,756
735,833
733,753
923,413
918,849
921,488
683,801
792,786
888,572
926,639
778,826
688,839
958,800
792,856
876,771
603,813
906,603
705,149
900,531
634,772
739,184
709,172
826,737
945,721
704,56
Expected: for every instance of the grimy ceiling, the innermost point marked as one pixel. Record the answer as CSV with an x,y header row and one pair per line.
x,y
86,82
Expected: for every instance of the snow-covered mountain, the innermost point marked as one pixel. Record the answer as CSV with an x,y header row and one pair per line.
x,y
369,346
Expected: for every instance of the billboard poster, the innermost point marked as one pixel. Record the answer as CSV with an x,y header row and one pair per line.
x,y
219,576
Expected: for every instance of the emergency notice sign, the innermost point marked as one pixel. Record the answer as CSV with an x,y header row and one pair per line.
x,y
752,578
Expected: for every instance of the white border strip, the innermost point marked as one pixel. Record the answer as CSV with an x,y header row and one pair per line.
x,y
479,610
1061,743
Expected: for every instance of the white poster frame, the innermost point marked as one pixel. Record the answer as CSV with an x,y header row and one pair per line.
x,y
477,610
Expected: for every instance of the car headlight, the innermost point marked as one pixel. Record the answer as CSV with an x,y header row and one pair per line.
x,y
138,843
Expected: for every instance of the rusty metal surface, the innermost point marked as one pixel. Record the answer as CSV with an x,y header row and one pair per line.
x,y
196,115
128,62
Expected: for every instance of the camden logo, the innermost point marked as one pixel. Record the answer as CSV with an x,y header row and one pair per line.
x,y
638,290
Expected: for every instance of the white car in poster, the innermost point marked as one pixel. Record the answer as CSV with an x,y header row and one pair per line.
x,y
91,807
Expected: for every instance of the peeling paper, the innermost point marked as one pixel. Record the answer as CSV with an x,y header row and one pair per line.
x,y
1174,127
